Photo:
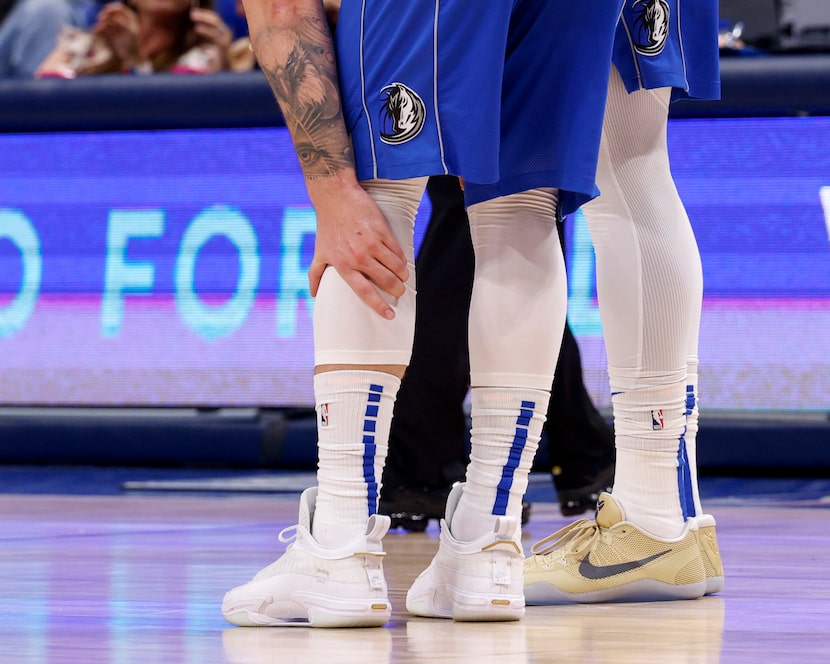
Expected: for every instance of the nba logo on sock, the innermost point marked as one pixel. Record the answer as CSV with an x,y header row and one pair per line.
x,y
657,419
324,414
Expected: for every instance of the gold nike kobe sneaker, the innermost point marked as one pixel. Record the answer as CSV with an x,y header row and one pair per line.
x,y
612,560
710,552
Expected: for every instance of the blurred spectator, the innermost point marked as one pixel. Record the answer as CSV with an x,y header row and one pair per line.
x,y
233,13
29,31
241,52
144,36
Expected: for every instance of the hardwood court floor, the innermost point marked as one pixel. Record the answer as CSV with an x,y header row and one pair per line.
x,y
88,576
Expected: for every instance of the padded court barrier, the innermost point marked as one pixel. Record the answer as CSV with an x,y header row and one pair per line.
x,y
752,87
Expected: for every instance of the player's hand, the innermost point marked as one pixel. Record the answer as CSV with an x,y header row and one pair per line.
x,y
354,238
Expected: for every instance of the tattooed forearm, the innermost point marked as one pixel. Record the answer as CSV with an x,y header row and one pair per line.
x,y
303,77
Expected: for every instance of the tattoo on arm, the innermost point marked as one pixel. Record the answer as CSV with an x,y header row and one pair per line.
x,y
305,86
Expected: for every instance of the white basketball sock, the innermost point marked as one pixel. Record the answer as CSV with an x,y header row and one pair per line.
x,y
507,427
650,425
354,415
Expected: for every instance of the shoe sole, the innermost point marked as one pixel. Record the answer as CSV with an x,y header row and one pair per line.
x,y
466,607
642,590
316,611
487,609
714,584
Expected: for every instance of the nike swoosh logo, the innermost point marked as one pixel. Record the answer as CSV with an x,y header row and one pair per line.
x,y
591,571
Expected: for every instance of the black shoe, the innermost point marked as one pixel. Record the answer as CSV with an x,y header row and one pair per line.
x,y
575,501
411,508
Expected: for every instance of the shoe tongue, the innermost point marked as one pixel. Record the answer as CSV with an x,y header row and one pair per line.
x,y
609,512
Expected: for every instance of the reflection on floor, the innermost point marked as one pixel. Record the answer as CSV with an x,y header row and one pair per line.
x,y
93,572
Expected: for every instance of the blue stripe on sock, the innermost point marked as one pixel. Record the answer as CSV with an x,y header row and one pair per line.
x,y
690,399
526,413
684,472
684,480
369,451
514,458
370,447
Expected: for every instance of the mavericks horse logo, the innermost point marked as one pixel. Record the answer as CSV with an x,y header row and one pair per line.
x,y
402,116
651,26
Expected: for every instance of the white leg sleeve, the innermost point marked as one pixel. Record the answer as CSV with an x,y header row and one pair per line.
x,y
649,277
346,330
519,301
517,318
649,284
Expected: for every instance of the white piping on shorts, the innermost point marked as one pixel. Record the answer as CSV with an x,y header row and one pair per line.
x,y
435,86
682,50
363,94
633,51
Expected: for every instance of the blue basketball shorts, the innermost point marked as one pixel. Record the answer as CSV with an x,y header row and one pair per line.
x,y
669,43
508,94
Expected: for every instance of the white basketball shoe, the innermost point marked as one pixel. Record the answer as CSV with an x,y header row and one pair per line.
x,y
480,580
317,586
